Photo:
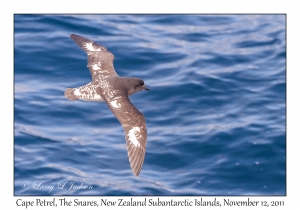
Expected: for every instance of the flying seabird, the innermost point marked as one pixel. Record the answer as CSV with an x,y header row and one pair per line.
x,y
107,86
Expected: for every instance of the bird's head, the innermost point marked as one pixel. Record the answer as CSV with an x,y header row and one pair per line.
x,y
137,85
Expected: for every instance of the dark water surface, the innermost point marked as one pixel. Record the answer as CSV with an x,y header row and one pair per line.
x,y
215,114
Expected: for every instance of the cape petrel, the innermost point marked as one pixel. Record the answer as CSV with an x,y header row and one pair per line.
x,y
107,86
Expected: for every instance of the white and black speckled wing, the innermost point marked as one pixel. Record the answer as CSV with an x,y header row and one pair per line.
x,y
86,92
134,125
100,59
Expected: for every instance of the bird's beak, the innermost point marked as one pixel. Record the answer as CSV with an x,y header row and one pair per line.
x,y
145,87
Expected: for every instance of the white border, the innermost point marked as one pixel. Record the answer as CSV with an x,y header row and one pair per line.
x,y
8,8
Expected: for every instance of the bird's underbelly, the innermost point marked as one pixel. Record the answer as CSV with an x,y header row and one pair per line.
x,y
89,95
92,99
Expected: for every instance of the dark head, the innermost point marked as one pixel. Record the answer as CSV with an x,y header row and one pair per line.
x,y
137,85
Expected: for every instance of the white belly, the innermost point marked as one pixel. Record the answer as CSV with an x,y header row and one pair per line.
x,y
88,95
92,100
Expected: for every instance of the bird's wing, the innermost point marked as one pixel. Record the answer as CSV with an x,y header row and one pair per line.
x,y
134,125
100,59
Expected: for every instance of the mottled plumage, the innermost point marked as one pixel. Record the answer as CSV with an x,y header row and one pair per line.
x,y
107,86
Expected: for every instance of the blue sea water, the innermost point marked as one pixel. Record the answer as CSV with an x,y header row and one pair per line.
x,y
216,112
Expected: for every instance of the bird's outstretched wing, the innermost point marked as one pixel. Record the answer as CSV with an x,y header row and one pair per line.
x,y
134,125
100,59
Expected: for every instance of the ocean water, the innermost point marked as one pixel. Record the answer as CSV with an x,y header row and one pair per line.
x,y
216,112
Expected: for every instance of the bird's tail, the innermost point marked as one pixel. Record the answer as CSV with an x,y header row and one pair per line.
x,y
69,94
